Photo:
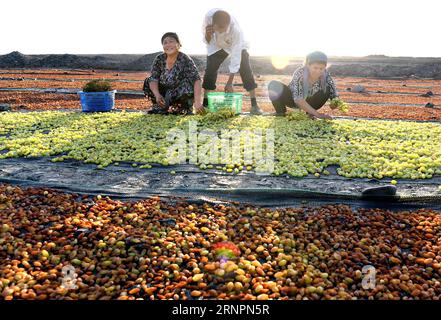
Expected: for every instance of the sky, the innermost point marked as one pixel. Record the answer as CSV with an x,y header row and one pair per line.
x,y
272,27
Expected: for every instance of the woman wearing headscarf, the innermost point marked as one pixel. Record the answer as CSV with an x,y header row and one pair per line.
x,y
174,84
311,86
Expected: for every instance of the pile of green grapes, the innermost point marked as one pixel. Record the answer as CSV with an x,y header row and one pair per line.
x,y
339,104
359,148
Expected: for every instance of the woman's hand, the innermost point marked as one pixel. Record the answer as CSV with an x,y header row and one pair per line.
x,y
313,114
197,97
160,100
340,104
198,107
324,116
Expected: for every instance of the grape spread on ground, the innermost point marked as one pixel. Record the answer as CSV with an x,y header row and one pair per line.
x,y
154,250
362,148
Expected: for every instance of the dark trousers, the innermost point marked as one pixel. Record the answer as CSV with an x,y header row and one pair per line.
x,y
182,104
281,97
215,60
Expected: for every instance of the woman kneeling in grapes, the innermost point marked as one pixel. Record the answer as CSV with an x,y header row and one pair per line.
x,y
174,84
309,89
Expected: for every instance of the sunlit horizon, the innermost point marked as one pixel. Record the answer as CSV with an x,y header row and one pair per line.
x,y
277,28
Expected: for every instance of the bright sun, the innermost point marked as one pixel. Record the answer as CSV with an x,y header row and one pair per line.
x,y
280,62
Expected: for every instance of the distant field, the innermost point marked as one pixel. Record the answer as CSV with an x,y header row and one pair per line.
x,y
394,99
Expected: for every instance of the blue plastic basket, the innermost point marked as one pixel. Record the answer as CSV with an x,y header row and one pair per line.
x,y
97,101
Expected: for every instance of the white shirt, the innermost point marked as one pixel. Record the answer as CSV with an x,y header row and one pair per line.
x,y
232,41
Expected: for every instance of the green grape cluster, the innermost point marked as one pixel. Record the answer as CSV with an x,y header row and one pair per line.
x,y
340,104
222,113
297,116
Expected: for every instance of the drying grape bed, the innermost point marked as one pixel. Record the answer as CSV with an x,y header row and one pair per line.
x,y
151,249
360,148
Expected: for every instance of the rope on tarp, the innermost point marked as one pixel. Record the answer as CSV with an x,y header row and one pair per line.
x,y
310,194
263,197
120,194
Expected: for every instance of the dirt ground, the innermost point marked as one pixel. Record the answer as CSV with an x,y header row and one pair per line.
x,y
52,89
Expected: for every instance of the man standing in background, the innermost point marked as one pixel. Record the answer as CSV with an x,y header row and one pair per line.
x,y
224,37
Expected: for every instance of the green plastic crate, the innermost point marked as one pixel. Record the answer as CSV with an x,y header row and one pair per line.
x,y
218,100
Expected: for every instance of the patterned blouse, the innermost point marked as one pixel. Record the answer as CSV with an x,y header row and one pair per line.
x,y
296,85
181,77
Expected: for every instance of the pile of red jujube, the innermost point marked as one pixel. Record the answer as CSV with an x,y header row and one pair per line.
x,y
157,249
